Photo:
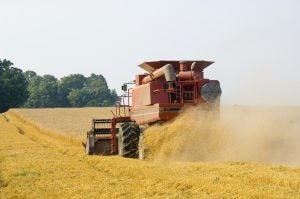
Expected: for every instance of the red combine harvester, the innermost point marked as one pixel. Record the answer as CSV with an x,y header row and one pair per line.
x,y
158,95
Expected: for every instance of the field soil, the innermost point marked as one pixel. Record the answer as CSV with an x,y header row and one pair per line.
x,y
41,157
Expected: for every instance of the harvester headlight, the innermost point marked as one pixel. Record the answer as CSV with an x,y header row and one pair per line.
x,y
210,91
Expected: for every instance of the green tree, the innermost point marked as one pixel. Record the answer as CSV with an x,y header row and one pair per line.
x,y
43,92
71,91
68,84
29,75
74,81
33,100
97,81
95,93
13,86
80,97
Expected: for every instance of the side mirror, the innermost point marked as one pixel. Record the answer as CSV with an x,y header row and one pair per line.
x,y
124,87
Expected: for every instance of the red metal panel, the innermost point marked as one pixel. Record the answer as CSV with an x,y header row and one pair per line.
x,y
158,93
148,94
141,95
113,143
156,112
139,79
145,114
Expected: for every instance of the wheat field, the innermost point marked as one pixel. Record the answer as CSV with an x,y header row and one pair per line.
x,y
39,158
71,122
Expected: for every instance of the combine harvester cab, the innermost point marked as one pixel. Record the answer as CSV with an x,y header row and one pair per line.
x,y
158,95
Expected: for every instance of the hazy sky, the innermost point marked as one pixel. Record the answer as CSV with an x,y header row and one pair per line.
x,y
255,44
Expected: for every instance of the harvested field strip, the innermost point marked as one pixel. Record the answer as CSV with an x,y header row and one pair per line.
x,y
71,122
38,165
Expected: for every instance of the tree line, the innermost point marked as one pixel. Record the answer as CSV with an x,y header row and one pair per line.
x,y
30,90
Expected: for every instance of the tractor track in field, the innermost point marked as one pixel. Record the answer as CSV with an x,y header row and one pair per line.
x,y
47,141
40,138
34,133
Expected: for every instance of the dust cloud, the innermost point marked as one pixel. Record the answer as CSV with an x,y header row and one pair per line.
x,y
259,134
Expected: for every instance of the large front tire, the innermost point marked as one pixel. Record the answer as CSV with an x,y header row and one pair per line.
x,y
130,140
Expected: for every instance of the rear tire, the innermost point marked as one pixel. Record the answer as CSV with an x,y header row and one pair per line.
x,y
130,145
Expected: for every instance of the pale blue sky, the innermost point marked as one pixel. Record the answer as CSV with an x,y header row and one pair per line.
x,y
255,44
